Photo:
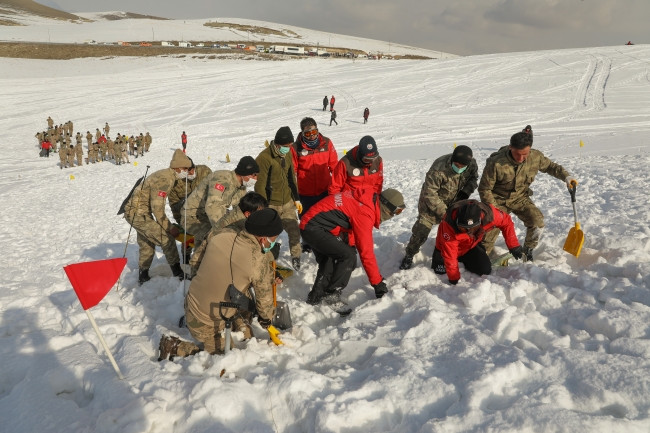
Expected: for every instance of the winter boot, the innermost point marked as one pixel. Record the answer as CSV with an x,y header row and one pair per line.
x,y
315,296
143,277
295,263
407,262
178,272
438,263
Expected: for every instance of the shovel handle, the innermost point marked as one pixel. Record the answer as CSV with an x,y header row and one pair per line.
x,y
572,190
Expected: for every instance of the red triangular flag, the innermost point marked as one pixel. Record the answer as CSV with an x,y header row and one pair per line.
x,y
91,281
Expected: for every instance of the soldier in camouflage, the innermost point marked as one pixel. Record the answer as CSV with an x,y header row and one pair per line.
x,y
236,258
451,178
506,181
217,193
144,209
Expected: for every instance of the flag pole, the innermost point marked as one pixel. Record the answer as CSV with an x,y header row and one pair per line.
x,y
101,339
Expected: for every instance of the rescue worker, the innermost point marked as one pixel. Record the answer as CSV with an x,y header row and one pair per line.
x,y
332,100
182,190
460,234
325,103
50,122
71,155
506,181
79,151
235,261
63,157
89,139
124,151
277,183
333,117
98,134
144,209
451,178
339,226
215,194
360,168
107,129
366,114
184,140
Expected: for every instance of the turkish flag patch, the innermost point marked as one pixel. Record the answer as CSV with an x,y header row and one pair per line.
x,y
162,194
219,187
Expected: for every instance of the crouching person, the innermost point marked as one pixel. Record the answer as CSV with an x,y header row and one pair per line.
x,y
234,257
336,228
460,234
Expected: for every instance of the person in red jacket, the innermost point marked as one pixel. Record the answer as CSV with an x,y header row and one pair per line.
x,y
360,168
339,226
460,234
46,145
314,159
184,141
332,100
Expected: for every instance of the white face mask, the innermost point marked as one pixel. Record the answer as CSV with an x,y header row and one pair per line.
x,y
191,176
181,175
250,182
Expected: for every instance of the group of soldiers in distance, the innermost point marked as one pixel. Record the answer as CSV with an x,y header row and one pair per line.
x,y
100,147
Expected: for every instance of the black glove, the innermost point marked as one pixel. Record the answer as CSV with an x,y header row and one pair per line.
x,y
264,323
517,252
380,289
462,195
453,282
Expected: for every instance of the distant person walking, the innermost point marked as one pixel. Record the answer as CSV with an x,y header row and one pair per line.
x,y
332,100
325,103
184,141
366,113
333,118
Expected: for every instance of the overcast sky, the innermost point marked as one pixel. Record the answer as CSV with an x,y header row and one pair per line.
x,y
462,27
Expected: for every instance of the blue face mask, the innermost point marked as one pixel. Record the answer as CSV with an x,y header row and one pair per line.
x,y
283,149
265,249
456,169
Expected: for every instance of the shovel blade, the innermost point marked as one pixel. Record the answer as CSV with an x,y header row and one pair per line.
x,y
574,241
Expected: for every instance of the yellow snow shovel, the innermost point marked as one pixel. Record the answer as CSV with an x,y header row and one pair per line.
x,y
576,237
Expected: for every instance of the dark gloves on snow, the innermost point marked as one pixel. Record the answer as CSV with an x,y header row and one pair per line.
x,y
453,282
517,252
380,289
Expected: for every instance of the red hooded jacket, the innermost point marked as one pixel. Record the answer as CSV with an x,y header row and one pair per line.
x,y
350,174
352,213
453,244
314,167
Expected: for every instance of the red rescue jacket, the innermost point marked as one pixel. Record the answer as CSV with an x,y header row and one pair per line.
x,y
351,214
314,167
46,145
453,244
352,175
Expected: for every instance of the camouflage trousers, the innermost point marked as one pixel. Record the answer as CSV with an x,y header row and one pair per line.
x,y
290,224
420,232
529,214
150,235
211,335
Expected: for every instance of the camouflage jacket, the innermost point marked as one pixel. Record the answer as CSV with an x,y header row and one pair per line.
x,y
213,196
177,194
504,182
232,256
442,185
149,198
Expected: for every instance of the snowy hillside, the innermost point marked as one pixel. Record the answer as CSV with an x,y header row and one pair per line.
x,y
558,345
105,28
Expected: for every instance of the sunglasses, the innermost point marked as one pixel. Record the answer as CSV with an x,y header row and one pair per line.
x,y
310,133
394,210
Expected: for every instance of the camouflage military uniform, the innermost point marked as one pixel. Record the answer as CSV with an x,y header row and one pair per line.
x,y
107,129
89,139
63,157
145,211
79,151
147,142
177,194
506,185
441,188
210,201
71,155
234,256
50,122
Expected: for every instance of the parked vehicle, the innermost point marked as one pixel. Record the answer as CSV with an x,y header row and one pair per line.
x,y
185,44
145,44
166,44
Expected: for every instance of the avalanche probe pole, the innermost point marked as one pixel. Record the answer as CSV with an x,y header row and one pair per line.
x,y
126,245
185,240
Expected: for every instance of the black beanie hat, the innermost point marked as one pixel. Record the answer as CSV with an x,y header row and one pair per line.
x,y
247,166
469,215
367,147
264,222
462,155
283,136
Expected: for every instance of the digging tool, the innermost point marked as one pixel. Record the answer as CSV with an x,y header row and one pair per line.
x,y
575,239
228,320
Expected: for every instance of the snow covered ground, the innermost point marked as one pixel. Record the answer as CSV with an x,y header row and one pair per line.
x,y
559,345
